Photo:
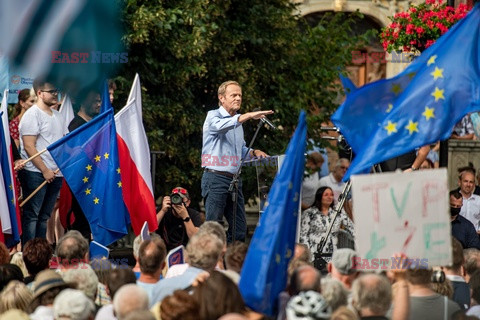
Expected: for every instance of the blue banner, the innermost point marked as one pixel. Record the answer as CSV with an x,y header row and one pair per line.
x,y
264,272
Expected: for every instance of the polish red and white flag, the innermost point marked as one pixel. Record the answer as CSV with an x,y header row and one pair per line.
x,y
134,158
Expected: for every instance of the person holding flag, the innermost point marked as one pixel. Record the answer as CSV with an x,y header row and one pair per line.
x,y
40,126
88,158
107,157
89,108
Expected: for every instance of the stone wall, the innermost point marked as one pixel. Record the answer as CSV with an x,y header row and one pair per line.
x,y
460,153
378,10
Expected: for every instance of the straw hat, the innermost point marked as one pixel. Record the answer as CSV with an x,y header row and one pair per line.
x,y
46,280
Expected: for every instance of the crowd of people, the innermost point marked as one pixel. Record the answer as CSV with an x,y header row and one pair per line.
x,y
67,284
39,282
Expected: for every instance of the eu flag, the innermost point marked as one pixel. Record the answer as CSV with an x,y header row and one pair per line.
x,y
88,159
264,272
419,106
348,85
77,42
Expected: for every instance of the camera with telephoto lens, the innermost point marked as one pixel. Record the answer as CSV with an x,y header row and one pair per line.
x,y
177,198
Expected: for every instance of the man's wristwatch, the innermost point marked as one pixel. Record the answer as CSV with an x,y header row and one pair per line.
x,y
186,219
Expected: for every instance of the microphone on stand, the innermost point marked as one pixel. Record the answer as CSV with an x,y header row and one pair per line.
x,y
270,124
266,121
339,138
329,129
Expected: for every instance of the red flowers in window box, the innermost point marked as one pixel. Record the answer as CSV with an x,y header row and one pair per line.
x,y
419,27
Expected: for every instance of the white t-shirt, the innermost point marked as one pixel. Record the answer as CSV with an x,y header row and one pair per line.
x,y
47,128
471,210
310,185
337,187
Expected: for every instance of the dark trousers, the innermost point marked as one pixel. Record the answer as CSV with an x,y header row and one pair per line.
x,y
38,209
81,223
218,203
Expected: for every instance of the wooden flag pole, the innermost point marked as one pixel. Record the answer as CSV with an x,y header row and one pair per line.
x,y
36,190
31,158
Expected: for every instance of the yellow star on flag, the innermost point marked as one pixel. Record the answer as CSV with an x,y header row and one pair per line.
x,y
431,60
411,75
438,94
10,187
396,88
390,107
119,184
412,126
96,200
88,191
85,179
13,201
89,167
438,73
278,258
391,127
428,113
97,158
106,155
118,170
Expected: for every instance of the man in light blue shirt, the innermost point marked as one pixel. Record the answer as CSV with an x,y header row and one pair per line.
x,y
203,252
222,151
151,258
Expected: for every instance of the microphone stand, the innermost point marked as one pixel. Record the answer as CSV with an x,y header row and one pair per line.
x,y
233,188
318,263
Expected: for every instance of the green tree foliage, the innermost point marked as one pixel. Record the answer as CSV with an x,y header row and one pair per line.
x,y
183,49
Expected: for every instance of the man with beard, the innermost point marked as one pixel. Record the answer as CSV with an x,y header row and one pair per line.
x,y
89,108
40,126
462,229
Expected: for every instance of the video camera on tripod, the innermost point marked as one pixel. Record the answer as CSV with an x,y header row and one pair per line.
x,y
344,149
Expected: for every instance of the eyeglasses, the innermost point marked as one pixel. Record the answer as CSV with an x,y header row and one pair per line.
x,y
180,190
53,91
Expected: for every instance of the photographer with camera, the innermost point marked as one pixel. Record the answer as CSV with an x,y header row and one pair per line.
x,y
177,223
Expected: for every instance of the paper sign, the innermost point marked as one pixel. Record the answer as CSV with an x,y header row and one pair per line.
x,y
402,213
144,232
176,256
98,250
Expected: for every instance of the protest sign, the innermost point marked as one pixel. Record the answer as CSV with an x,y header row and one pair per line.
x,y
402,213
